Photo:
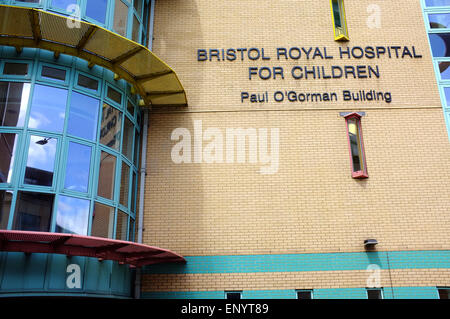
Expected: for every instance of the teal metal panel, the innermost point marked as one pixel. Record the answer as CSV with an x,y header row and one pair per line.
x,y
415,293
269,294
305,262
342,293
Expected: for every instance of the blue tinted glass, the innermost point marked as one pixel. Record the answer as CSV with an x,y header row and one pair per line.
x,y
63,4
83,116
48,108
437,3
96,9
439,21
72,215
41,161
77,169
440,44
447,96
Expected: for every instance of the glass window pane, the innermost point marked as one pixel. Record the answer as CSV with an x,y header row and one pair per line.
x,y
83,116
304,295
114,95
353,132
120,18
437,3
33,211
137,149
133,194
444,293
5,206
136,27
124,184
122,225
72,215
447,96
53,73
130,108
128,132
78,166
440,44
374,294
41,161
111,127
102,221
15,68
138,7
13,103
337,14
439,21
8,145
444,70
131,231
107,175
96,9
48,113
87,82
63,4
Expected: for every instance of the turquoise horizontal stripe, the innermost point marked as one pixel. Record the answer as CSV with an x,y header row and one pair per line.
x,y
329,293
305,262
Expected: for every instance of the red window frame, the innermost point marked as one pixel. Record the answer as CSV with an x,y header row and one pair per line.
x,y
362,171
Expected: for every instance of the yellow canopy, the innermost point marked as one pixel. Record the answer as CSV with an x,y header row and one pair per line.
x,y
154,80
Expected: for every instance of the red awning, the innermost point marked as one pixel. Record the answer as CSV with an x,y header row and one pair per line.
x,y
125,252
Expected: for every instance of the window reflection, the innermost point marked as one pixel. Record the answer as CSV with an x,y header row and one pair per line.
x,y
120,18
96,9
87,82
83,116
122,225
15,68
8,144
106,175
13,103
102,221
33,211
124,184
440,42
48,113
63,4
444,70
133,193
437,3
128,134
111,127
439,21
72,215
5,206
41,161
135,31
78,166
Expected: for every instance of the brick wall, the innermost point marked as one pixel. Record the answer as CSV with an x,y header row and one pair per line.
x,y
311,204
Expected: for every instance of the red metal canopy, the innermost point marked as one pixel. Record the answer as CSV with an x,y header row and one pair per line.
x,y
125,252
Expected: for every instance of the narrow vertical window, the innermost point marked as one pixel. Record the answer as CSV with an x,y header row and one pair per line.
x,y
339,20
356,146
304,294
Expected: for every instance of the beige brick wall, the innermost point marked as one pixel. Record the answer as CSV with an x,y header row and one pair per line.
x,y
311,205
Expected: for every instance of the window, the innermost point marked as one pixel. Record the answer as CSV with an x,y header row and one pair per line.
x,y
53,73
440,44
78,167
72,215
13,103
87,82
102,221
304,294
83,116
106,176
375,293
96,9
33,211
48,114
437,3
122,226
8,145
41,161
356,145
339,20
233,295
15,68
120,18
444,293
111,127
5,207
124,184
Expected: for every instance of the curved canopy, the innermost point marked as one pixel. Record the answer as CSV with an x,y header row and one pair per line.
x,y
154,80
136,255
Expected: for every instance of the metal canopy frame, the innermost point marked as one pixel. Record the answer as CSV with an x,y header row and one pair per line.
x,y
153,80
124,252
